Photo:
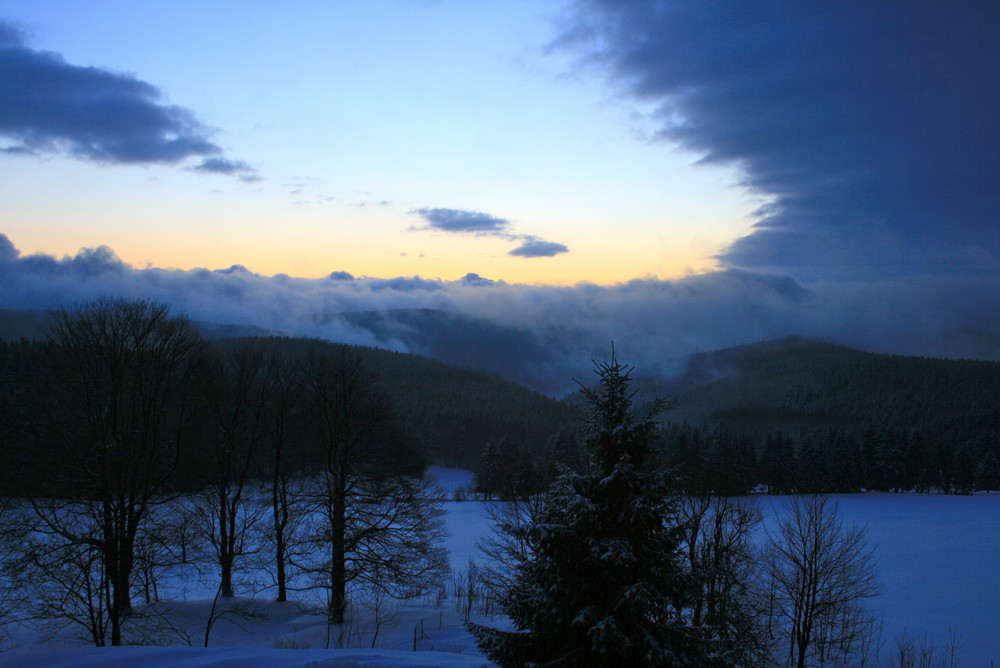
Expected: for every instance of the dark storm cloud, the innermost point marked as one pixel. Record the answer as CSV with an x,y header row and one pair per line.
x,y
535,247
49,106
483,224
457,220
654,323
871,126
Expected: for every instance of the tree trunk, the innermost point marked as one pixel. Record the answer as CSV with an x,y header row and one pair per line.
x,y
226,581
338,567
118,557
225,548
280,509
121,605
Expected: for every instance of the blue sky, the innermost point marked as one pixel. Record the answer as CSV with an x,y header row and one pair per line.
x,y
351,116
674,175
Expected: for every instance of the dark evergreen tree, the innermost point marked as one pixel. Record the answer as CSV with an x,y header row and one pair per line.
x,y
684,451
730,463
921,462
890,461
814,470
490,471
942,472
988,473
869,447
840,456
507,470
604,585
564,448
519,468
964,470
777,465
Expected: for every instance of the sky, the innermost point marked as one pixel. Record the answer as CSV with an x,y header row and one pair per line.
x,y
310,136
676,175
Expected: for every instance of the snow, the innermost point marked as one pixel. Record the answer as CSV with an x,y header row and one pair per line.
x,y
938,567
224,657
938,564
451,479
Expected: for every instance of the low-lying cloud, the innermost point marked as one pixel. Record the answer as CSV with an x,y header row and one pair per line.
x,y
50,107
653,323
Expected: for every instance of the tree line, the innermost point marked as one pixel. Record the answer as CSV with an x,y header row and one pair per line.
x,y
723,460
799,415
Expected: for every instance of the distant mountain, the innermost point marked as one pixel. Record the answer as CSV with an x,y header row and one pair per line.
x,y
796,383
214,330
788,384
25,324
512,353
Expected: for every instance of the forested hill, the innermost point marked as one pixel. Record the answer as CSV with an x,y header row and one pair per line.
x,y
453,411
795,415
792,383
449,412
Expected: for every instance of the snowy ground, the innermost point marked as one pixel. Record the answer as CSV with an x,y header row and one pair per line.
x,y
938,566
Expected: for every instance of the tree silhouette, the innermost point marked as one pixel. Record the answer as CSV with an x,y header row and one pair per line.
x,y
604,584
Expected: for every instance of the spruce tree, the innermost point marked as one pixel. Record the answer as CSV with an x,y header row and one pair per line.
x,y
604,585
490,471
988,473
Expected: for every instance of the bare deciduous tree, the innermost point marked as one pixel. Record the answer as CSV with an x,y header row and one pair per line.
x,y
14,533
125,368
921,652
365,498
282,420
506,547
717,544
70,585
820,574
233,398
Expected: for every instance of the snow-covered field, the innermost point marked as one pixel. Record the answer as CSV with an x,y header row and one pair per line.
x,y
938,564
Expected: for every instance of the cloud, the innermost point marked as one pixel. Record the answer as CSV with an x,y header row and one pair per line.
x,y
535,247
10,35
471,278
457,220
871,127
653,323
483,224
8,252
50,107
237,168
